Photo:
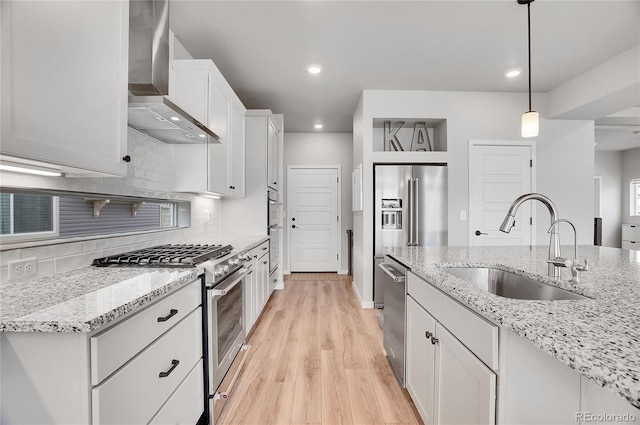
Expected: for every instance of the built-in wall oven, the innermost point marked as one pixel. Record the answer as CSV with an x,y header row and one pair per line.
x,y
274,228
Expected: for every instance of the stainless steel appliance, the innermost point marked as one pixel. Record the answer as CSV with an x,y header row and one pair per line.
x,y
222,307
273,229
393,330
410,209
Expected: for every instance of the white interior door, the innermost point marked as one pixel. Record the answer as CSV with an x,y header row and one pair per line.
x,y
498,174
312,200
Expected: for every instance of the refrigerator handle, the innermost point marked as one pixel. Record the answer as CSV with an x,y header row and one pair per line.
x,y
416,216
412,209
410,212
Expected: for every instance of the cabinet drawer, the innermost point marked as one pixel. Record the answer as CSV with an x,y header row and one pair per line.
x,y
259,250
631,232
115,346
185,405
479,335
631,245
135,393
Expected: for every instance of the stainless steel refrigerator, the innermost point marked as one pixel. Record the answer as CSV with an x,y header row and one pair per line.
x,y
410,209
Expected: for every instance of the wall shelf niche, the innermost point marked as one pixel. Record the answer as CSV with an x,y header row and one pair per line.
x,y
404,135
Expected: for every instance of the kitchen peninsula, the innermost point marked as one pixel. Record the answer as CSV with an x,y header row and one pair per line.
x,y
597,336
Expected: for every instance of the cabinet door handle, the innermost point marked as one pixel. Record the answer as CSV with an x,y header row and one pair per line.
x,y
478,233
264,262
428,334
174,364
172,313
434,340
264,248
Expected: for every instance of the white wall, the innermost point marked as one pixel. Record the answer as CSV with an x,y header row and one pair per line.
x,y
630,170
323,149
149,175
565,158
608,165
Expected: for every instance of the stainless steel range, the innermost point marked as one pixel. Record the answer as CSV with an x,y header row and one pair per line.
x,y
222,305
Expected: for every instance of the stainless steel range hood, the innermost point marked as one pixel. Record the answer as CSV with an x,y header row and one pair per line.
x,y
150,110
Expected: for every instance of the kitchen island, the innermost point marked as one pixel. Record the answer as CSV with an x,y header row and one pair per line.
x,y
597,337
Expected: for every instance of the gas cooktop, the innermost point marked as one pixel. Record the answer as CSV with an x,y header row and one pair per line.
x,y
166,256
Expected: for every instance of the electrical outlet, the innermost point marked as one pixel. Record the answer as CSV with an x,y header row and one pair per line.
x,y
22,269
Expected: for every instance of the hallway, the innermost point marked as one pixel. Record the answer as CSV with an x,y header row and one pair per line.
x,y
316,358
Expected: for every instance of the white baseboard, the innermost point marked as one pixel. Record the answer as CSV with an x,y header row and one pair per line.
x,y
279,286
286,272
345,272
363,304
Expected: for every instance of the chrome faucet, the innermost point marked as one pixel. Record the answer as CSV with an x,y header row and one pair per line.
x,y
575,265
554,241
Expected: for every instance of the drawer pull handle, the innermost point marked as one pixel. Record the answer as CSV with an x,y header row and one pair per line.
x,y
264,248
172,313
428,334
174,364
434,340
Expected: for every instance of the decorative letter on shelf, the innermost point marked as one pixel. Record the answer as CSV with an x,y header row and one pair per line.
x,y
391,142
420,140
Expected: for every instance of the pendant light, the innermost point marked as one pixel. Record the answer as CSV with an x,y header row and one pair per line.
x,y
530,119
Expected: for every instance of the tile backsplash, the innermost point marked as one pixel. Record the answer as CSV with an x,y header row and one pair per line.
x,y
149,175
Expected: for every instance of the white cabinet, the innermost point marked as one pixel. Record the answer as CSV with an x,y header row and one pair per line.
x,y
273,157
257,289
198,87
447,382
466,388
631,236
148,364
64,92
421,360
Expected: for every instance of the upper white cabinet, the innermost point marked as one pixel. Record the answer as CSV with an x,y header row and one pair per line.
x,y
198,87
64,84
273,157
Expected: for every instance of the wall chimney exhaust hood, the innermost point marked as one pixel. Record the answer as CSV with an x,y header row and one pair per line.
x,y
150,110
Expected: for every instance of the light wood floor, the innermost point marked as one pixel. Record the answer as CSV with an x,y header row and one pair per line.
x,y
316,358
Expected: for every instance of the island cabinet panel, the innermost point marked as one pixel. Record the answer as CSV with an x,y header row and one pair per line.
x,y
535,388
185,405
64,92
598,404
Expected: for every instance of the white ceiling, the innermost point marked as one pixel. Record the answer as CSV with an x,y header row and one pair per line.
x,y
264,47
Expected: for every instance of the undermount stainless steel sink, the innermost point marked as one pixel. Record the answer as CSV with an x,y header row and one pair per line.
x,y
511,285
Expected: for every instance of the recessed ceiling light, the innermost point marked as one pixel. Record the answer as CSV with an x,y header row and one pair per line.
x,y
175,119
513,73
202,135
314,69
317,126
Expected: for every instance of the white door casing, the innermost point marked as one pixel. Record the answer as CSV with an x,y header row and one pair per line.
x,y
499,172
313,203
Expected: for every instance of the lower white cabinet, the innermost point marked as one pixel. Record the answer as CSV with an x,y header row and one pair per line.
x,y
631,236
258,289
81,378
185,405
447,382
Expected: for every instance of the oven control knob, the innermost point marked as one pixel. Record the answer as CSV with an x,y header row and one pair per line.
x,y
219,272
234,261
225,268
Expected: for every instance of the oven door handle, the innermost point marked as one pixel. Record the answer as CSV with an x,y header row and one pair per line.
x,y
221,290
394,274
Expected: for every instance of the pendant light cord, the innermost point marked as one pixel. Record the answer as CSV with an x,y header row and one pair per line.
x,y
529,44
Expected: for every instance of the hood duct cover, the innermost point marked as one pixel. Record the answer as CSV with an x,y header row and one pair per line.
x,y
150,110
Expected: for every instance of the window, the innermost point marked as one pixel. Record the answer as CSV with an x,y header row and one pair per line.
x,y
635,197
27,216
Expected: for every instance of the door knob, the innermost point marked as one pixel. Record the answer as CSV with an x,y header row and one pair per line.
x,y
293,219
478,233
293,226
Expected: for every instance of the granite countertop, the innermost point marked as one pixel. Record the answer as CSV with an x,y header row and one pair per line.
x,y
88,298
598,337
